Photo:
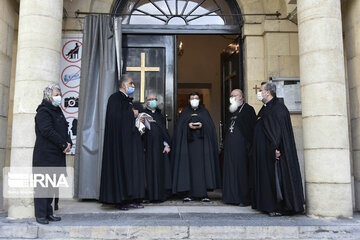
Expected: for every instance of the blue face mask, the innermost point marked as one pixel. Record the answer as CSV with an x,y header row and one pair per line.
x,y
130,90
153,104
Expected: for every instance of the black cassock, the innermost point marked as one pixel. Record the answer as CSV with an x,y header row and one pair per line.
x,y
277,188
194,156
123,169
237,146
157,163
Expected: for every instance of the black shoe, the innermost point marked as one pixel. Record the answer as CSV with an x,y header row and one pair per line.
x,y
123,207
205,200
244,204
275,214
187,199
52,218
135,205
42,220
56,207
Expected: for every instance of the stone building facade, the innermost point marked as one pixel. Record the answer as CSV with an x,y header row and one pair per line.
x,y
315,40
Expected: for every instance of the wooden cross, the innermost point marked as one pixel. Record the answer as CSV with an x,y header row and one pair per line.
x,y
230,76
256,89
142,69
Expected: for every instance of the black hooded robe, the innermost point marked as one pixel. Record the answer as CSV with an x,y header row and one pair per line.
x,y
237,147
123,168
195,154
157,163
273,130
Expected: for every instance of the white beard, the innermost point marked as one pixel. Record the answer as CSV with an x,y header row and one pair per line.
x,y
233,107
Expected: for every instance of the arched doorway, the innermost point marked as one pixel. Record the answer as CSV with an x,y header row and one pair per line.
x,y
179,17
154,33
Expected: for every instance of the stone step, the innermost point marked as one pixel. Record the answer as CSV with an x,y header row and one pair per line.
x,y
190,223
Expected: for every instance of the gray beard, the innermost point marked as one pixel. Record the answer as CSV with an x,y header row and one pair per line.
x,y
234,107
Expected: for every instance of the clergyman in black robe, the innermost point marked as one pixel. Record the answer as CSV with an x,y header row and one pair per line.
x,y
277,178
237,146
195,152
123,169
157,162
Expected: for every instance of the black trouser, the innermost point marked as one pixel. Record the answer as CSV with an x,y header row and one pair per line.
x,y
56,190
43,207
42,201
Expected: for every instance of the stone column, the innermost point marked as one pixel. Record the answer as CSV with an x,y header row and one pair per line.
x,y
38,65
325,121
7,21
351,24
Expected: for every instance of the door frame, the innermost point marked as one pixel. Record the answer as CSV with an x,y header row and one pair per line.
x,y
162,41
241,78
173,33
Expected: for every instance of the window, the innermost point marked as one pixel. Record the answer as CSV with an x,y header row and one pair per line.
x,y
177,12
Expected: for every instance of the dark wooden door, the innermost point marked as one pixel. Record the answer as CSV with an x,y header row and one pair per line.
x,y
149,60
232,77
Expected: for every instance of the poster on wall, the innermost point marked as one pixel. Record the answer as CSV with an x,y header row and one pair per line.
x,y
288,90
70,71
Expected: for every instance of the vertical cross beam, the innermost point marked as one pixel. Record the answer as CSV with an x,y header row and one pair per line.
x,y
142,69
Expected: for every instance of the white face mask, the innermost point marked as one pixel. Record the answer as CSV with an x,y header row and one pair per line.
x,y
194,103
56,101
232,100
259,96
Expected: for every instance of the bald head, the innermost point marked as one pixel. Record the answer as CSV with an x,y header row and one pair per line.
x,y
238,94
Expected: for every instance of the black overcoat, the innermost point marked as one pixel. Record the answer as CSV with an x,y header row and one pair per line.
x,y
51,129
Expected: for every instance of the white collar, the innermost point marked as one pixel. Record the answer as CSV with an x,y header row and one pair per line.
x,y
152,110
124,93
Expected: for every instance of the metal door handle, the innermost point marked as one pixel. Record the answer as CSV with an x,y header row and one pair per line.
x,y
220,133
167,120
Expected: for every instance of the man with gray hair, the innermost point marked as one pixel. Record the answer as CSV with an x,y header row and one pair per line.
x,y
122,173
157,162
276,181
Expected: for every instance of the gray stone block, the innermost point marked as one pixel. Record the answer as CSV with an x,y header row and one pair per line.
x,y
272,232
329,232
217,232
18,231
157,232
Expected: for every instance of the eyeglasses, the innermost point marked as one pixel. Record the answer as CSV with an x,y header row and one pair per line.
x,y
152,99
